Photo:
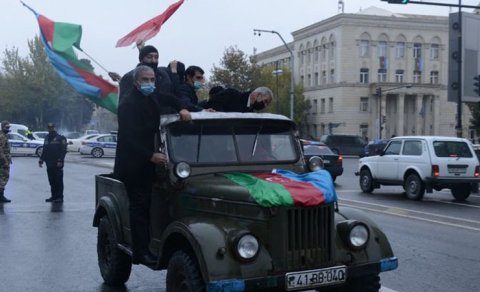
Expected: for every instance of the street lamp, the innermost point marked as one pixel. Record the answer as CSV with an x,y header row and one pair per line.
x,y
277,72
379,92
292,82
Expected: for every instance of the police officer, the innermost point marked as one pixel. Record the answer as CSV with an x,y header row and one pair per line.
x,y
5,160
54,151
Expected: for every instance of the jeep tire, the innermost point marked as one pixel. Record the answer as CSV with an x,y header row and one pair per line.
x,y
461,191
366,181
115,265
183,274
414,187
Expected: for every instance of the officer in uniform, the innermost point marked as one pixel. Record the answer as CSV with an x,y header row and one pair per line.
x,y
5,160
54,151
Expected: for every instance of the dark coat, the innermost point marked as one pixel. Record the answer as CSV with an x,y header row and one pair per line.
x,y
54,149
230,100
188,97
138,122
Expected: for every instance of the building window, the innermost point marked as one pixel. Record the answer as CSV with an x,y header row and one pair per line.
x,y
315,106
417,51
364,45
316,53
417,76
302,79
302,56
399,76
364,131
316,78
434,77
324,77
382,75
382,49
322,127
315,131
332,76
309,81
434,49
324,52
364,104
309,57
331,51
322,106
400,50
364,75
330,105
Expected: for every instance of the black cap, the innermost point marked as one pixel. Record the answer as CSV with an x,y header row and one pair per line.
x,y
145,51
50,125
216,89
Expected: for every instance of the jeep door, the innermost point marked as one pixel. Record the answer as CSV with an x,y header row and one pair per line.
x,y
388,162
414,155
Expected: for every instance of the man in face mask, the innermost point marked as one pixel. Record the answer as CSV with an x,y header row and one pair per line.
x,y
5,160
232,100
187,92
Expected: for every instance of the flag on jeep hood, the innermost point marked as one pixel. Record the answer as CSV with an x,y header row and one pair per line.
x,y
58,39
286,188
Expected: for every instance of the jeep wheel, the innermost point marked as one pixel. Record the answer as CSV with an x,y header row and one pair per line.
x,y
115,265
461,192
414,187
97,152
366,183
183,274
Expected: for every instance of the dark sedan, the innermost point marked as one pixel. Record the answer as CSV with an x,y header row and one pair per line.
x,y
333,162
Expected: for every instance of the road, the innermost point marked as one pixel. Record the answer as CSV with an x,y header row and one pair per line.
x,y
47,247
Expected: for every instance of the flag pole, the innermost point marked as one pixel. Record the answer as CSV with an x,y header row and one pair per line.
x,y
95,61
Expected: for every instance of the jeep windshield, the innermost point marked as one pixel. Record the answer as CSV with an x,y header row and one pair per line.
x,y
232,142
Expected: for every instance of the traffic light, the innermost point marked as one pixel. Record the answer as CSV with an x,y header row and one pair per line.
x,y
379,91
397,1
476,84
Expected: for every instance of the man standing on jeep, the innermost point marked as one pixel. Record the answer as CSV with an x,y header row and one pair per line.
x,y
138,123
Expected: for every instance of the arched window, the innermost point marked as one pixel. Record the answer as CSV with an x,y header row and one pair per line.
x,y
365,45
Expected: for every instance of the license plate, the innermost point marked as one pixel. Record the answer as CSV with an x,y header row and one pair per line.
x,y
315,278
457,170
326,161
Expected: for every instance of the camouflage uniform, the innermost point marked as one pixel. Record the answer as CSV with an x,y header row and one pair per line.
x,y
5,160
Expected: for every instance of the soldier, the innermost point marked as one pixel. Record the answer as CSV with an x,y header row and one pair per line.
x,y
54,151
5,160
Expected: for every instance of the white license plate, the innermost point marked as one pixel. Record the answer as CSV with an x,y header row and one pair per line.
x,y
326,161
457,170
315,278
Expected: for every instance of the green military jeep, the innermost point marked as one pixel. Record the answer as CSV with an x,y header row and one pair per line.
x,y
238,209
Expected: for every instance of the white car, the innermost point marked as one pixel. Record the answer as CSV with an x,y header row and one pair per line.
x,y
74,144
422,163
21,145
100,145
40,135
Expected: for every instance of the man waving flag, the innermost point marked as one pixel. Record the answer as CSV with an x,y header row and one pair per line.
x,y
150,28
58,39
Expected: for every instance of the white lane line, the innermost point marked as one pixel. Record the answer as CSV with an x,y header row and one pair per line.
x,y
385,289
415,218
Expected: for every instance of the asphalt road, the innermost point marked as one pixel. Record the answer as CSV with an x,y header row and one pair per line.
x,y
45,247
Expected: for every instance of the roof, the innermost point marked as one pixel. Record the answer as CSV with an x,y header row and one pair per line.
x,y
167,119
430,138
372,10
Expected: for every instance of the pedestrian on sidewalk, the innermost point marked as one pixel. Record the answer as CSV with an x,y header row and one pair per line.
x,y
53,154
5,160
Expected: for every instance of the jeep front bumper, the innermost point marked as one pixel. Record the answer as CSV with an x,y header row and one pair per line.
x,y
278,281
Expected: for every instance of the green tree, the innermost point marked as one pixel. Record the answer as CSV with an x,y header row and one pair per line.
x,y
235,71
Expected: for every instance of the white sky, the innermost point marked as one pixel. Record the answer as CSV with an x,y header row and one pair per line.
x,y
197,34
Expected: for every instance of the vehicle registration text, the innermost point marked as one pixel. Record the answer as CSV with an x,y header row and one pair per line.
x,y
315,278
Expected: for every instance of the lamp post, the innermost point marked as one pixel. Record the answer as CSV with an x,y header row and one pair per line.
x,y
292,82
379,92
277,72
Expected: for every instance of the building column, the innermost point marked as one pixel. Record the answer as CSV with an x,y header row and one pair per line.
x,y
418,114
436,115
383,113
400,114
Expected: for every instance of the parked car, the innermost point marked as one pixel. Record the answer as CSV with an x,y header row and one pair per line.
x,y
375,146
345,144
100,145
332,162
40,135
18,128
212,229
73,135
422,163
74,144
21,145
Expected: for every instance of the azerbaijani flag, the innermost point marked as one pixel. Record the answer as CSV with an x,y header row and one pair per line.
x,y
59,38
286,188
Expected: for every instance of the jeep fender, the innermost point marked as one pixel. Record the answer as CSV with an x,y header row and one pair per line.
x,y
107,206
208,240
416,169
378,246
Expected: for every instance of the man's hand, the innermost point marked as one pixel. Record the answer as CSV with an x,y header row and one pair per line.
x,y
173,66
254,97
185,115
59,164
115,76
140,44
40,163
159,158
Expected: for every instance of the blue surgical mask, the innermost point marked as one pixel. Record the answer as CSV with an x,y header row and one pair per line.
x,y
197,85
147,88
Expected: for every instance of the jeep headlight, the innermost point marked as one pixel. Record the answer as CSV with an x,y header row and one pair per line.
x,y
247,246
315,163
355,234
182,170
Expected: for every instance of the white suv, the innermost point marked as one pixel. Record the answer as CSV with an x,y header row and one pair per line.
x,y
420,163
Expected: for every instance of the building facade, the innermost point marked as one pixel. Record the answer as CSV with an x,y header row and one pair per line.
x,y
374,73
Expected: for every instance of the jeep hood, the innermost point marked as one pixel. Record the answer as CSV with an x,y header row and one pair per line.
x,y
217,186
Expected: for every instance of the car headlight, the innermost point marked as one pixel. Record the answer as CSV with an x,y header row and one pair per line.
x,y
354,233
246,246
182,170
315,163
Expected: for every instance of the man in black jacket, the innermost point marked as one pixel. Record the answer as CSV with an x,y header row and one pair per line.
x,y
53,154
232,100
138,123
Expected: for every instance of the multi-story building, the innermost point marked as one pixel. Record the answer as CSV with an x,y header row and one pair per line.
x,y
346,60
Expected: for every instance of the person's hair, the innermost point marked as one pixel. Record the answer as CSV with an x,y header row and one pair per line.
x,y
192,69
139,70
264,91
216,89
5,123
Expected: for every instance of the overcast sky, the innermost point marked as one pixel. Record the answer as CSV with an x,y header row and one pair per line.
x,y
197,34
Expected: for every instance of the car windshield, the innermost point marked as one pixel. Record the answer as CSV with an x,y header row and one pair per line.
x,y
211,142
42,135
451,149
317,150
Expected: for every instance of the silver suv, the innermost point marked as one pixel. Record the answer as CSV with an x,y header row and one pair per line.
x,y
422,163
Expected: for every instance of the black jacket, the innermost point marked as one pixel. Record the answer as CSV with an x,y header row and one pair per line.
x,y
54,149
188,97
138,122
230,100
